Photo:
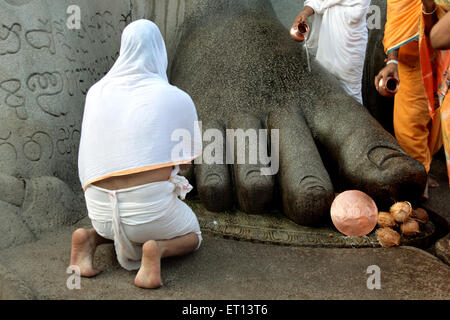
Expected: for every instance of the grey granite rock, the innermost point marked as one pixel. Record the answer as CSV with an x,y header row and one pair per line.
x,y
306,189
213,181
226,269
381,108
232,56
12,190
46,69
236,57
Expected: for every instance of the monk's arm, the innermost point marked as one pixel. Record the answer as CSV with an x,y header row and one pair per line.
x,y
393,55
429,14
440,34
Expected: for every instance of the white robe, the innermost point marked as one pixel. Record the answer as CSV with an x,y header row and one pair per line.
x,y
133,118
339,39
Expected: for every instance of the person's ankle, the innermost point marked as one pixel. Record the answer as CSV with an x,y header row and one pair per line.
x,y
162,249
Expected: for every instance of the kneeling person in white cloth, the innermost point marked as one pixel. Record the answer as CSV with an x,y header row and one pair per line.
x,y
338,38
127,164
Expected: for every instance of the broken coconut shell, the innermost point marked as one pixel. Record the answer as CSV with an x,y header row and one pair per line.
x,y
401,211
385,219
410,227
388,237
420,215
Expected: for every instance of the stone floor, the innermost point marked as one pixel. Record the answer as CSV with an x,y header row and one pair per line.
x,y
230,269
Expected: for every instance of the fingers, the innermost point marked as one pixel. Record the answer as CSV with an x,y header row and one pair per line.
x,y
380,79
254,190
213,180
377,81
306,189
300,19
390,70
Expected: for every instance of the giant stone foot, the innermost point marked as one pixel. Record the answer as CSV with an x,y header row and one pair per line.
x,y
247,64
213,180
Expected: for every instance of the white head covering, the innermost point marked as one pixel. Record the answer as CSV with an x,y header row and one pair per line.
x,y
132,113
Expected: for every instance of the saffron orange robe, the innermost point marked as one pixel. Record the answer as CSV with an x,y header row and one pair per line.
x,y
417,114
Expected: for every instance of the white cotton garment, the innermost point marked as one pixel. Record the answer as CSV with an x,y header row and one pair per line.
x,y
133,216
339,37
134,120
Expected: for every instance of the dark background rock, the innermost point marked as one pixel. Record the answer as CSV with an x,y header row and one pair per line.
x,y
381,108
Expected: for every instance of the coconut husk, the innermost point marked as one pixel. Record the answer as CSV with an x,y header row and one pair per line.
x,y
388,237
385,219
410,227
420,215
401,211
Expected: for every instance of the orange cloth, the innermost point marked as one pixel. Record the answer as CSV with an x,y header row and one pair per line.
x,y
414,129
433,63
445,119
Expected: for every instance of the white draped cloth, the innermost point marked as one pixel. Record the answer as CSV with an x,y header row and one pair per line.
x,y
135,215
134,120
339,39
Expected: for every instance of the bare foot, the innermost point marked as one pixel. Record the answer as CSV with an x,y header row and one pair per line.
x,y
432,183
83,248
149,275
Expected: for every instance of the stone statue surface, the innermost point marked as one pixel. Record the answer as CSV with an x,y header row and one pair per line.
x,y
46,69
47,65
239,65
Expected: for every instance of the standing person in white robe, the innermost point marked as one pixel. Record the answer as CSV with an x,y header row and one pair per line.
x,y
338,38
128,161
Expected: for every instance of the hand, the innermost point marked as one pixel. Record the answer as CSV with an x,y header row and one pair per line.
x,y
297,31
428,5
302,18
391,70
283,96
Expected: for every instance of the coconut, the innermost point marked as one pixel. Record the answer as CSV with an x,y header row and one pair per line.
x,y
420,215
410,227
385,219
401,211
388,237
